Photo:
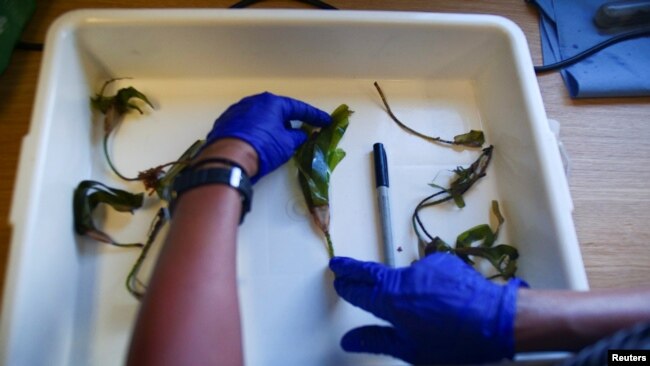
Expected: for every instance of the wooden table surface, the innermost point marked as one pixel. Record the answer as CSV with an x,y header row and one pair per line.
x,y
608,140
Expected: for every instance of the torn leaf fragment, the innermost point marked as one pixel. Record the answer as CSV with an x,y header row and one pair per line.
x,y
473,138
88,195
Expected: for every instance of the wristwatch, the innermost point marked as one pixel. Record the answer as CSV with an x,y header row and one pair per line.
x,y
232,176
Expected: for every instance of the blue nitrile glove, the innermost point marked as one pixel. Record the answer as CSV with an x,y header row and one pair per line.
x,y
262,120
442,310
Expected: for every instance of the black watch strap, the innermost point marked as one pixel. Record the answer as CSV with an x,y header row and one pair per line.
x,y
233,176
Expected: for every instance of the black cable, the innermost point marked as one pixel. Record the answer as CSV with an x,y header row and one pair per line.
x,y
588,52
243,4
29,46
316,3
34,46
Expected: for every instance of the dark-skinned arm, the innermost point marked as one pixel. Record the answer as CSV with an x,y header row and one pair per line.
x,y
190,314
571,320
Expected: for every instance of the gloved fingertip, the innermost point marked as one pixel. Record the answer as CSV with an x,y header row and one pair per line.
x,y
367,272
298,137
298,110
320,118
348,267
336,264
351,343
357,293
370,338
339,285
518,282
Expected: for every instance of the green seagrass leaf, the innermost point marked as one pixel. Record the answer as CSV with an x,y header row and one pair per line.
x,y
340,123
165,184
502,257
316,159
120,101
311,190
114,107
500,219
433,185
123,97
473,138
458,200
335,158
437,245
477,233
88,195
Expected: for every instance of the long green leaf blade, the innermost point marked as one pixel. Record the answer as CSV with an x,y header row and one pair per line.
x,y
316,160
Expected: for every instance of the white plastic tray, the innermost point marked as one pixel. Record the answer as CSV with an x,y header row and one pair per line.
x,y
65,302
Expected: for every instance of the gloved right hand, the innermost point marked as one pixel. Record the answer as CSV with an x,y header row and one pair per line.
x,y
263,121
442,310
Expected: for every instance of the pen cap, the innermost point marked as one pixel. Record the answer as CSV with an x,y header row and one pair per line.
x,y
381,165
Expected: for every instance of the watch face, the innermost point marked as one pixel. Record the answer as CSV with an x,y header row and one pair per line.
x,y
236,177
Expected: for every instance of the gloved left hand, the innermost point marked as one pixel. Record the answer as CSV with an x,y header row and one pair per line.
x,y
263,121
441,309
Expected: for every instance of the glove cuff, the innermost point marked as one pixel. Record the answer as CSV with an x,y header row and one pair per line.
x,y
506,318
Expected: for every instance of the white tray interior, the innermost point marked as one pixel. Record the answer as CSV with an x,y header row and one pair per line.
x,y
443,75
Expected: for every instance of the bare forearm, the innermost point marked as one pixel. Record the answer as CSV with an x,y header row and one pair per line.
x,y
190,314
568,320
